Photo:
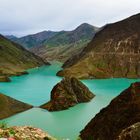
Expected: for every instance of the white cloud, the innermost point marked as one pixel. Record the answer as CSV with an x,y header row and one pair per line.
x,y
28,16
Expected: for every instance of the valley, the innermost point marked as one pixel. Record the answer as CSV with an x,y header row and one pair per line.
x,y
35,89
78,84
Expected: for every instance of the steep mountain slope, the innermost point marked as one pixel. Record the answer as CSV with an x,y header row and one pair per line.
x,y
33,40
122,112
14,59
10,106
66,43
113,52
81,33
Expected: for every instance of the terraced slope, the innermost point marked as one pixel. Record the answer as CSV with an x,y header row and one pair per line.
x,y
113,52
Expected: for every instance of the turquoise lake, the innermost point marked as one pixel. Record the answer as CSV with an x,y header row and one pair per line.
x,y
35,89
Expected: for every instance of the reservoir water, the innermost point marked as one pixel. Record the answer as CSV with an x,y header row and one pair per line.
x,y
35,89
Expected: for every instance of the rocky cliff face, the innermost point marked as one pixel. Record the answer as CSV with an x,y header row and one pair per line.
x,y
68,93
113,52
14,59
130,133
122,112
10,106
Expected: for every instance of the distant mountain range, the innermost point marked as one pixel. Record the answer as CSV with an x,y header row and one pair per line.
x,y
113,52
14,59
65,44
58,45
33,40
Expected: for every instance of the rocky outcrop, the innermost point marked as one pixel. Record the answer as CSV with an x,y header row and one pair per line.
x,y
24,133
130,133
10,106
68,93
15,60
122,112
113,52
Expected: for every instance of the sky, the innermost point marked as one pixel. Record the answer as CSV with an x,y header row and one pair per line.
x,y
22,17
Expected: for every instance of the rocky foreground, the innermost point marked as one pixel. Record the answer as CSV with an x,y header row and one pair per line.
x,y
24,133
10,106
68,93
119,120
130,133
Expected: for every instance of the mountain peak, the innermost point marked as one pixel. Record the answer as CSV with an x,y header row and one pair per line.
x,y
86,26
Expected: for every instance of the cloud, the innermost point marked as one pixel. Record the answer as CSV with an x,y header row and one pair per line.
x,y
22,17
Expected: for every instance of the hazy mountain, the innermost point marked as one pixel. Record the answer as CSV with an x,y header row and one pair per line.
x,y
33,40
82,33
113,52
11,37
66,43
120,114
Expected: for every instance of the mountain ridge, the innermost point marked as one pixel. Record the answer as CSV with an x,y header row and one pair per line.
x,y
113,52
15,59
33,40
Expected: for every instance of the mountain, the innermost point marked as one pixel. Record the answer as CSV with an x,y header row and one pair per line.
x,y
33,40
11,37
113,52
10,106
65,44
81,33
68,93
14,59
115,119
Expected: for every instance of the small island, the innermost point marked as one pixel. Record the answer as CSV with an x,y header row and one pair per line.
x,y
68,93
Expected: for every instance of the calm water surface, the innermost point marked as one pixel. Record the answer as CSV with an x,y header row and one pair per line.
x,y
35,89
